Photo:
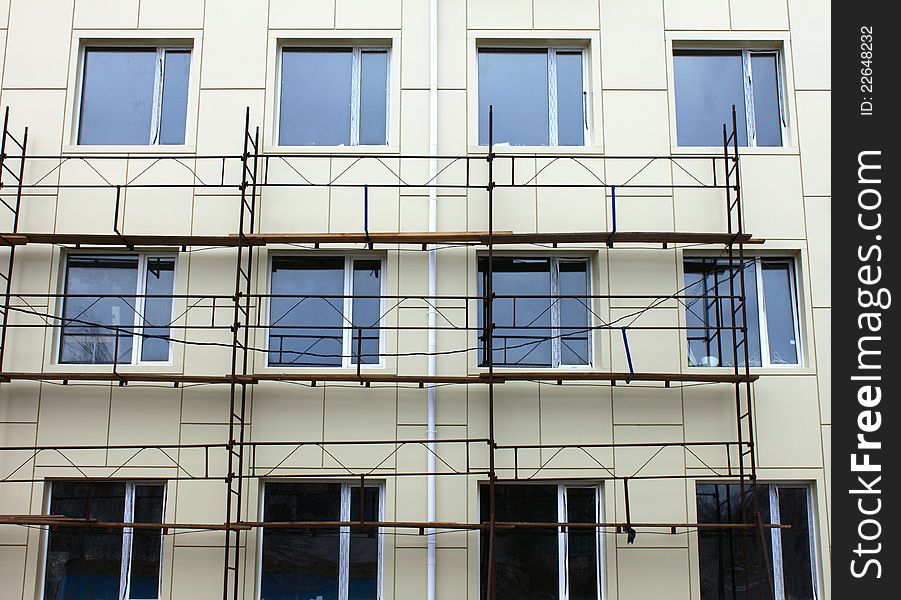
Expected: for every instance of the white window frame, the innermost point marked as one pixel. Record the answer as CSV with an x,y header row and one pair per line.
x,y
157,100
765,360
344,532
563,535
347,317
555,327
553,112
137,344
356,75
760,303
776,537
127,540
750,113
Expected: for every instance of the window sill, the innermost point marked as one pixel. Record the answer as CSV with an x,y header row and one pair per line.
x,y
742,150
537,150
161,367
783,370
328,150
129,149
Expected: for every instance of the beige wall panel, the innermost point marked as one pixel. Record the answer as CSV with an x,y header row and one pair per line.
x,y
39,61
411,406
205,404
288,413
227,64
365,14
171,14
637,26
216,215
765,14
647,405
671,573
822,329
787,409
145,415
42,112
819,244
19,401
149,210
658,275
578,14
630,460
409,573
194,570
4,13
810,43
568,209
452,136
12,565
99,14
198,462
700,210
697,14
453,566
771,185
25,352
34,264
415,46
709,416
37,214
344,420
654,501
413,214
636,123
814,109
452,39
827,486
312,14
62,406
644,213
502,14
220,126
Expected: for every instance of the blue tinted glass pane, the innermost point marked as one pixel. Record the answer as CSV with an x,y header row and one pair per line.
x,y
144,580
707,86
175,97
515,84
374,98
522,334
366,311
570,102
314,109
526,559
305,329
117,96
779,303
92,324
767,116
797,562
709,310
575,337
363,570
81,562
300,563
158,311
582,544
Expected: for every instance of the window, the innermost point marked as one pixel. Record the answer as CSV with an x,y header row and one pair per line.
x,y
557,562
728,565
325,563
105,563
134,96
128,320
539,96
541,312
772,312
325,311
709,83
333,97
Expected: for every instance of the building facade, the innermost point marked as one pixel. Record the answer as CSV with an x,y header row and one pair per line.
x,y
415,299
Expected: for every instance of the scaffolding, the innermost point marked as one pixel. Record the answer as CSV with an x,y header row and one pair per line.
x,y
246,177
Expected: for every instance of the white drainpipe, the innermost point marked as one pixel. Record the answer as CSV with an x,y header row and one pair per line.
x,y
433,290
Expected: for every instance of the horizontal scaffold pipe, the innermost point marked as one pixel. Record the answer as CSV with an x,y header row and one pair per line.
x,y
474,238
60,521
363,378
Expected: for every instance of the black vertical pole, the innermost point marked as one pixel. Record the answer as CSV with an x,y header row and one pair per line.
x,y
489,345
